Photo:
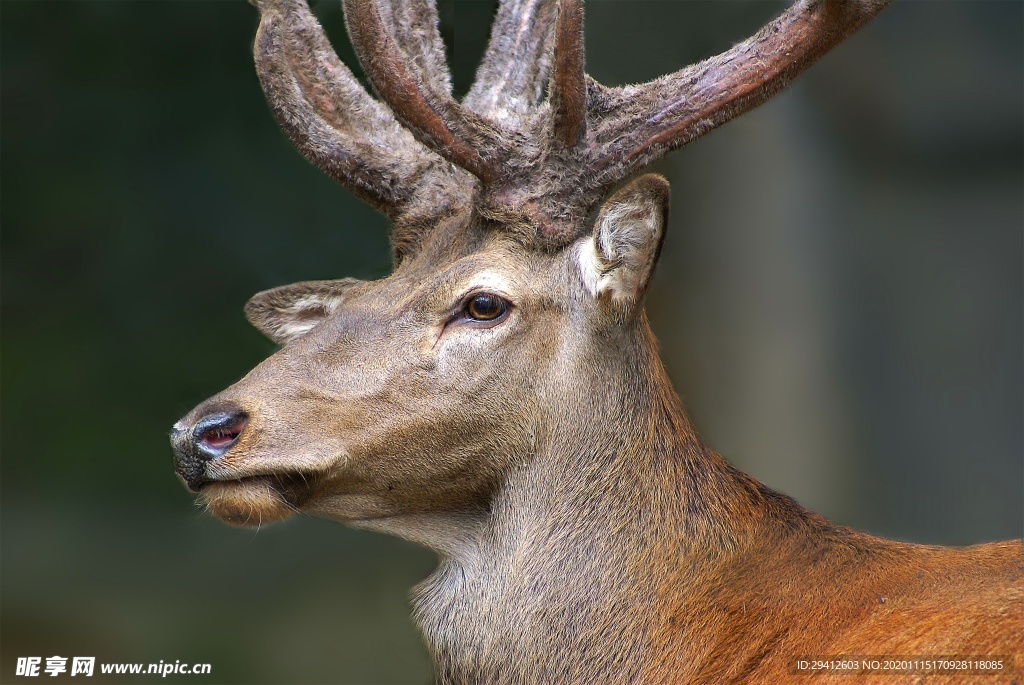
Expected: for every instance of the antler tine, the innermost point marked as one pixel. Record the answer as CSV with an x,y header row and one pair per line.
x,y
434,118
328,116
511,78
644,122
414,27
568,90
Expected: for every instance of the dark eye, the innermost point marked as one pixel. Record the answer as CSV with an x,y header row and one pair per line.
x,y
484,307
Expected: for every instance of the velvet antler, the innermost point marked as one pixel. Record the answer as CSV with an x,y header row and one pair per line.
x,y
540,165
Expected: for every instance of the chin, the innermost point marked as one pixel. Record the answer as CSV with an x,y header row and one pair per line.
x,y
248,502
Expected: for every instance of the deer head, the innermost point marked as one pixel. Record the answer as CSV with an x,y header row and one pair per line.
x,y
512,326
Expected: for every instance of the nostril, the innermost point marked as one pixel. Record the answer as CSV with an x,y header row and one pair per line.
x,y
216,433
219,438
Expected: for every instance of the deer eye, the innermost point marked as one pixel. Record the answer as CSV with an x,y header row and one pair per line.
x,y
486,307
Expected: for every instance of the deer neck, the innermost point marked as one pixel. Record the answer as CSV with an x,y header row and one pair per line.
x,y
619,483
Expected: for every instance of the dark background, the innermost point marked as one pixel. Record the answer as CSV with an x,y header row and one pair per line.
x,y
839,303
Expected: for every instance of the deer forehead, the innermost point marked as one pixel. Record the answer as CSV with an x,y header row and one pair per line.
x,y
498,269
490,281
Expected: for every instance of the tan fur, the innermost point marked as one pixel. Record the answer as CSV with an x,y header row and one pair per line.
x,y
584,532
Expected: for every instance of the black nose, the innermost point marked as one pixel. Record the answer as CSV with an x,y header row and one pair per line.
x,y
206,440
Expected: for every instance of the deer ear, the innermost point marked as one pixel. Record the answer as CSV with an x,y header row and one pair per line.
x,y
618,260
288,312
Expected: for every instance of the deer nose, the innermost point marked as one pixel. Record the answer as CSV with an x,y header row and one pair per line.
x,y
208,439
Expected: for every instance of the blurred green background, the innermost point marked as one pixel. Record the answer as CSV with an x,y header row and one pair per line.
x,y
839,303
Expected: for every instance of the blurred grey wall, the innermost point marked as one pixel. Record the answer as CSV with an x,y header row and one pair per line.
x,y
839,304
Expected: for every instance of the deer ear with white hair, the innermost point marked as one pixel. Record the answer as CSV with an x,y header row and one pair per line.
x,y
290,311
617,261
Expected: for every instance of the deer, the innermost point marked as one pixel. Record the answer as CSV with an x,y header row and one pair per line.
x,y
499,397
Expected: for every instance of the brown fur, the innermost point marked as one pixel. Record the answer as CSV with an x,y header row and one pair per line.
x,y
584,532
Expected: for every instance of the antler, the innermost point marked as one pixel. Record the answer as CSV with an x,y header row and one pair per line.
x,y
542,165
511,78
621,130
644,122
333,121
414,28
568,81
434,118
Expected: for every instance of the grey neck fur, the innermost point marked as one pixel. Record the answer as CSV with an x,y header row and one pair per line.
x,y
524,588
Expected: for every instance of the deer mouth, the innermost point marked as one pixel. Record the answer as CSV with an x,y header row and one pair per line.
x,y
254,500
